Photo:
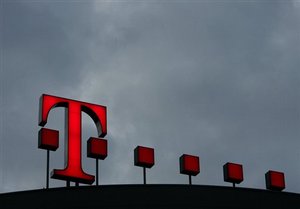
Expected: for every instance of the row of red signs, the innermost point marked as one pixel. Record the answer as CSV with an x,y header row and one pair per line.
x,y
97,147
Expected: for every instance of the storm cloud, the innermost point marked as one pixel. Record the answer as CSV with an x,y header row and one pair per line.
x,y
218,79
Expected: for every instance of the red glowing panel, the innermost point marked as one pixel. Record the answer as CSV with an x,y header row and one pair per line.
x,y
96,112
97,148
48,139
189,165
144,156
233,173
73,170
275,180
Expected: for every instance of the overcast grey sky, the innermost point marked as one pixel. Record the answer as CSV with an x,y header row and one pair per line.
x,y
217,79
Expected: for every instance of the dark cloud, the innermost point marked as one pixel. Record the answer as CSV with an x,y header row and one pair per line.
x,y
218,80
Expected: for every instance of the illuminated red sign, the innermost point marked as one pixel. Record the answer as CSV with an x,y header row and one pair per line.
x,y
97,148
189,164
233,173
73,169
48,139
144,156
275,180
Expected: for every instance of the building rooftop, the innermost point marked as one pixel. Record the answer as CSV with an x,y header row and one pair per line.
x,y
149,196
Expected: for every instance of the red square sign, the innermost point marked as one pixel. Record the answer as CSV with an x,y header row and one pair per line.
x,y
97,148
275,180
189,165
48,139
144,156
233,173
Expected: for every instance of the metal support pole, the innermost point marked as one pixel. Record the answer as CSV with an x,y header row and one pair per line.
x,y
76,184
97,172
233,184
190,180
47,174
67,183
144,174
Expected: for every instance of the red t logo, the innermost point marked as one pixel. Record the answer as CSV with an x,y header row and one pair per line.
x,y
73,170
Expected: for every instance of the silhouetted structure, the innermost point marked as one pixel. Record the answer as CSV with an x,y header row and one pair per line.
x,y
150,196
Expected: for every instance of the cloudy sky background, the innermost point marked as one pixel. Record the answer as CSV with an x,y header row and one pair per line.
x,y
218,79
